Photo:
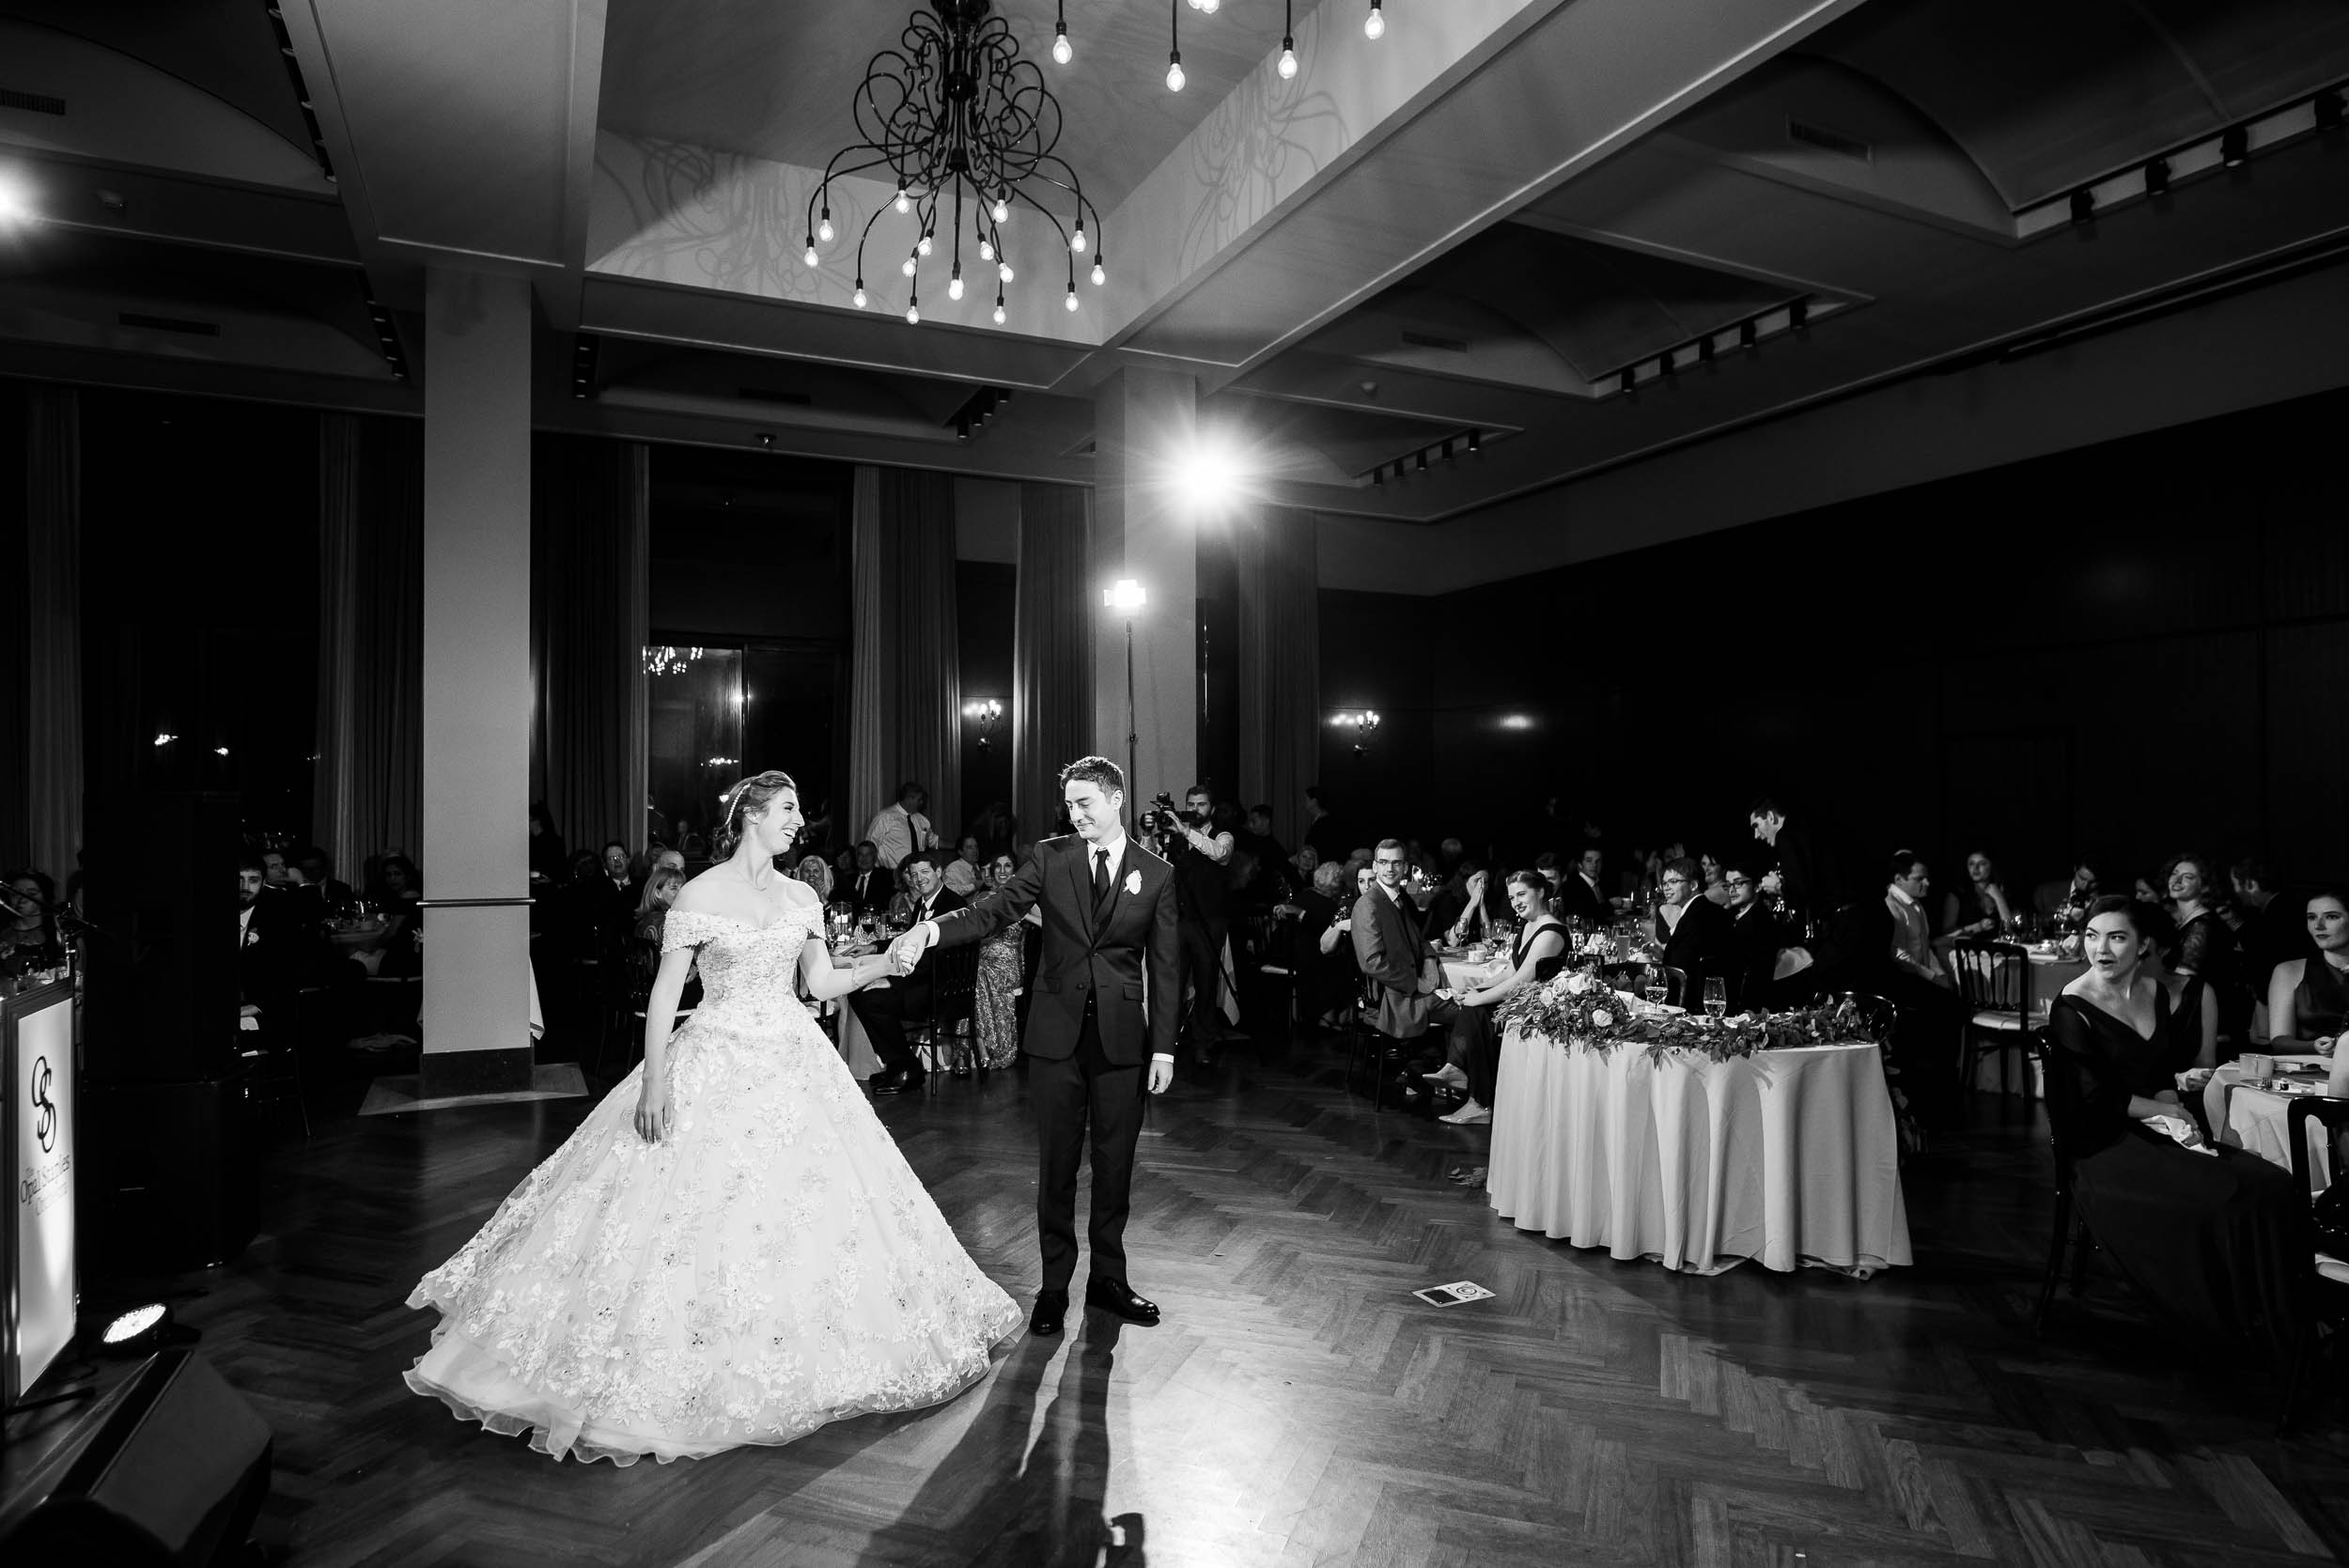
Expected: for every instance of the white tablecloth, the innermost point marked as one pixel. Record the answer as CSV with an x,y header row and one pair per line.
x,y
1789,1157
2254,1119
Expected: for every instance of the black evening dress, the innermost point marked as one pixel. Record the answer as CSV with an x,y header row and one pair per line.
x,y
2209,949
1474,1040
2320,1003
2219,1242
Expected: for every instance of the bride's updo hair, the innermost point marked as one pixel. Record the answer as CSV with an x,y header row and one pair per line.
x,y
749,797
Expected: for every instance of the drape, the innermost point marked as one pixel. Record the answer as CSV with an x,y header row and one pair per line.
x,y
53,628
906,673
590,616
1051,655
1280,663
367,789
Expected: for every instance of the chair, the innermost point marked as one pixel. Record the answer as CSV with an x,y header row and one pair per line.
x,y
1994,980
275,1060
2070,1232
1382,1046
2327,1278
1632,976
1879,1016
945,1033
1260,938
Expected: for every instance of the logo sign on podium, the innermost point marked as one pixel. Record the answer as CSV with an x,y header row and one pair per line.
x,y
42,1283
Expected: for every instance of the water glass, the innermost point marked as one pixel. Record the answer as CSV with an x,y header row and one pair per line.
x,y
1716,997
1658,987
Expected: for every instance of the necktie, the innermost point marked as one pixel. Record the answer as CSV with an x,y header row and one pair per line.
x,y
1100,876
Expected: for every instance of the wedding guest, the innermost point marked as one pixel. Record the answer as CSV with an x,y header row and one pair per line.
x,y
1978,908
317,870
1473,1055
997,829
1324,834
1583,895
1698,937
883,1009
2307,999
1803,876
1461,910
546,846
2273,930
2066,903
29,940
1754,938
1912,934
867,889
662,886
995,1003
2207,945
1393,955
816,873
899,830
962,872
1715,879
1324,956
2147,891
2217,1238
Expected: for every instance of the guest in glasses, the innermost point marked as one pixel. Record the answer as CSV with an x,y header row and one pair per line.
x,y
1754,938
1474,1054
1392,953
2219,1239
1698,937
2307,999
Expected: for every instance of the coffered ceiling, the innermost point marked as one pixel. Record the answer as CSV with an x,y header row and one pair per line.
x,y
1476,225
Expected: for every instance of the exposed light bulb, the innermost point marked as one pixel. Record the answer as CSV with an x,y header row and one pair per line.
x,y
824,229
954,287
1062,54
905,203
922,245
987,251
913,315
1174,73
857,299
1288,59
1076,241
907,267
1375,25
999,311
1004,272
1071,301
809,255
1206,7
1002,211
1100,274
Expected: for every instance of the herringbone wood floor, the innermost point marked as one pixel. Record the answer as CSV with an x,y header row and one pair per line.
x,y
1298,1407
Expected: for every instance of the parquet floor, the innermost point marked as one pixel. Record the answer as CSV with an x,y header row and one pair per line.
x,y
1298,1407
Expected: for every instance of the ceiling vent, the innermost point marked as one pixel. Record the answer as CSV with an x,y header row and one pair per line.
x,y
1803,133
169,324
1430,340
40,103
764,394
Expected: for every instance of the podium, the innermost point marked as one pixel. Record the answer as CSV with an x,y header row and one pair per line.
x,y
38,1125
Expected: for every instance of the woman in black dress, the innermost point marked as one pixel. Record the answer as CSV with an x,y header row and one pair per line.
x,y
2307,999
2219,1240
1474,1059
2207,946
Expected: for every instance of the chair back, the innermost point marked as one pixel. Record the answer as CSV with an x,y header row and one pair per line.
x,y
2333,1113
1992,976
953,983
1872,1017
2063,1107
1676,988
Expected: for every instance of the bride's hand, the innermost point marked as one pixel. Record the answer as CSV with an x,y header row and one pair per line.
x,y
652,1113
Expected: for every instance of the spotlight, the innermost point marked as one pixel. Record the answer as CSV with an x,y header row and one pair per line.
x,y
16,203
2083,205
962,427
2157,177
1127,596
164,737
2234,145
136,1331
1207,473
220,750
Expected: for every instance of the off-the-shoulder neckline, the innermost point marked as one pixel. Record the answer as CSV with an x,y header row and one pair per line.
x,y
719,914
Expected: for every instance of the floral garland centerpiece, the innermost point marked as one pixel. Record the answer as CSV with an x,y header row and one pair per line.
x,y
1581,1008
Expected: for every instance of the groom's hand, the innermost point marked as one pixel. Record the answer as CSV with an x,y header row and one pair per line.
x,y
1161,1073
906,951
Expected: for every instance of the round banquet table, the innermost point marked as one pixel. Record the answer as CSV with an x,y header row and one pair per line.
x,y
1787,1156
2253,1118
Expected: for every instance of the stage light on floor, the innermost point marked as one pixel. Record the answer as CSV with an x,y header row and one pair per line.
x,y
135,1332
1125,594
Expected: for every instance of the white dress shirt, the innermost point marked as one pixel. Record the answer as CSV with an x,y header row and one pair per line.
x,y
898,832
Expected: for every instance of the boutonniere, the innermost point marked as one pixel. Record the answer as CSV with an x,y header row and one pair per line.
x,y
251,936
1133,881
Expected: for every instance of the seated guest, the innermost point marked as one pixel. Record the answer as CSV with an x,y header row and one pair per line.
x,y
1583,895
1325,956
1391,953
867,889
652,914
1272,859
884,1010
1698,937
317,870
1460,911
2207,946
1324,835
1715,879
1979,909
962,872
274,954
2218,1239
816,873
2272,929
1754,938
2065,904
29,941
2307,999
1912,934
545,845
2160,936
1474,1058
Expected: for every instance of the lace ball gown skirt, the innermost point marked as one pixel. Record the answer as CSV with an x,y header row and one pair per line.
x,y
771,1265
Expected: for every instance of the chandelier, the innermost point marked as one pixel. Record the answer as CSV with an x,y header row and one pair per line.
x,y
967,129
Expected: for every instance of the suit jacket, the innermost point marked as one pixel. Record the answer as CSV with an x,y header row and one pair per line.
x,y
946,902
1120,958
1576,901
1388,946
1702,947
1754,938
865,892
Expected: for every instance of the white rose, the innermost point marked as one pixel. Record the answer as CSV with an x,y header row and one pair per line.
x,y
1577,982
1603,1020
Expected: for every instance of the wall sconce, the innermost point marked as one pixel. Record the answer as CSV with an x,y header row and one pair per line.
x,y
988,712
1365,724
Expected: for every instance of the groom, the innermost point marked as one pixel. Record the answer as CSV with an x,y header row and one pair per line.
x,y
1109,928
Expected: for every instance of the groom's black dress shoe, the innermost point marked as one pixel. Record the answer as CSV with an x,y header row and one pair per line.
x,y
900,1082
1051,1311
1112,1295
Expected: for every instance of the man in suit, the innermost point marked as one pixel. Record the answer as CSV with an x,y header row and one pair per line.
x,y
1697,933
884,1009
1583,895
1754,938
1391,951
1107,994
866,891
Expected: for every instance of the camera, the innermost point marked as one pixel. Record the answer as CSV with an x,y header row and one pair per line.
x,y
1163,816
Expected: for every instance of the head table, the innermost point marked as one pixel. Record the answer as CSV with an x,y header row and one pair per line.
x,y
1787,1156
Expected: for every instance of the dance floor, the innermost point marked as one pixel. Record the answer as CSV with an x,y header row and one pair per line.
x,y
1298,1406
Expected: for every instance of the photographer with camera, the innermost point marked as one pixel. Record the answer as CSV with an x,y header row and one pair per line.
x,y
1202,852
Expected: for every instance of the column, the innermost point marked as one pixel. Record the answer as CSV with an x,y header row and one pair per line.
x,y
1143,420
476,684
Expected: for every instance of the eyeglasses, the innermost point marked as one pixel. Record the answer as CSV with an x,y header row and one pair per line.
x,y
1736,882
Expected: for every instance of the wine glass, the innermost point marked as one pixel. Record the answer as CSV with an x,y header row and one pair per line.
x,y
1716,996
1657,986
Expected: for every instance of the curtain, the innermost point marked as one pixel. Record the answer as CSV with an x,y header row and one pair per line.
x,y
1051,652
367,789
907,671
1280,663
590,610
53,628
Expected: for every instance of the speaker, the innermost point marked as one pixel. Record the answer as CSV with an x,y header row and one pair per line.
x,y
172,1179
160,997
173,1473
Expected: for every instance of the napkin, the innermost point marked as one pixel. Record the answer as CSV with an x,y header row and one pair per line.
x,y
2182,1131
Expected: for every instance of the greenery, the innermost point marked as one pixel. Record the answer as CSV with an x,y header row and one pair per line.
x,y
1579,1008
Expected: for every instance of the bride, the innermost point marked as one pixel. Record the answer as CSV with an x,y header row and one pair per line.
x,y
742,1254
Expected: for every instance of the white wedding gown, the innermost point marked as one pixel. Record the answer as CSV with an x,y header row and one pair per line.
x,y
772,1264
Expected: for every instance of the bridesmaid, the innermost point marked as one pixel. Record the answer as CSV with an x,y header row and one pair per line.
x,y
2219,1240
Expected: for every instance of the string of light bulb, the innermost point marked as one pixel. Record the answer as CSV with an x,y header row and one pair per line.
x,y
1063,50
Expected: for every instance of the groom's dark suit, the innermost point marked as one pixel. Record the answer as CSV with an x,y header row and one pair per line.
x,y
1089,1039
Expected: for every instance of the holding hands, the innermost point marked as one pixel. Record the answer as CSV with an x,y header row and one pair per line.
x,y
906,952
